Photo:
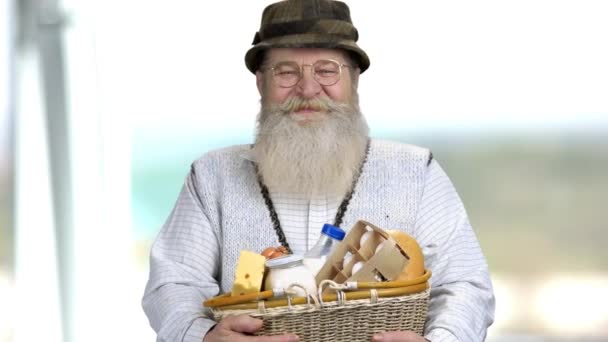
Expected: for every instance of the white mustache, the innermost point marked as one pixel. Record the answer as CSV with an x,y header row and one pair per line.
x,y
318,104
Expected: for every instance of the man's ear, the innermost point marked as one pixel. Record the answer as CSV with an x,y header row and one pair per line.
x,y
259,81
355,78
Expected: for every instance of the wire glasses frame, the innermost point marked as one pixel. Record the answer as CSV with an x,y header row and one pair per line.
x,y
326,72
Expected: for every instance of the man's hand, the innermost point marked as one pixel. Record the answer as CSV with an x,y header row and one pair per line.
x,y
398,336
237,328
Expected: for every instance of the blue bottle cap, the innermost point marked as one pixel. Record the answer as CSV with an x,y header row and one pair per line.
x,y
333,231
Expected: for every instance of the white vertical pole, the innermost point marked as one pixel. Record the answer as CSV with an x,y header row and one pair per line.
x,y
37,314
50,25
7,298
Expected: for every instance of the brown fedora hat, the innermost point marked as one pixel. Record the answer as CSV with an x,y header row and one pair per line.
x,y
306,24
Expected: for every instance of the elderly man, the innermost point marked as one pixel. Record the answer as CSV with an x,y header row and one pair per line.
x,y
312,162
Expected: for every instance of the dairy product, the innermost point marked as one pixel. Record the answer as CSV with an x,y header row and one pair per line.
x,y
328,239
289,270
249,273
314,264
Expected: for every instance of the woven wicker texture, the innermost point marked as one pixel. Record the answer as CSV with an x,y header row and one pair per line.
x,y
352,320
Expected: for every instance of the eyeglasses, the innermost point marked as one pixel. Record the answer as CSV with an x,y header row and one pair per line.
x,y
326,72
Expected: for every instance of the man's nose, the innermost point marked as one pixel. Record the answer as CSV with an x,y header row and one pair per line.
x,y
308,87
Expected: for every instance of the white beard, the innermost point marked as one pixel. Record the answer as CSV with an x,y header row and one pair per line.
x,y
319,157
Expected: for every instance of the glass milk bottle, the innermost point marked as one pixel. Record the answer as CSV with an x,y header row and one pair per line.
x,y
315,258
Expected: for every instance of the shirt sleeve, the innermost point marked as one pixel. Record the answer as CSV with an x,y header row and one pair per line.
x,y
462,300
184,263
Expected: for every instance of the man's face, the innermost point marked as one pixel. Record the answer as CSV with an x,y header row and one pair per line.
x,y
310,138
307,87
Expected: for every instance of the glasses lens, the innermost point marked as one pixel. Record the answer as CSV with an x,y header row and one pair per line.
x,y
286,74
327,72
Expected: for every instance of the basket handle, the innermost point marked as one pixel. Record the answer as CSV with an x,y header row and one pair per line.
x,y
351,295
339,288
354,285
290,292
227,299
387,288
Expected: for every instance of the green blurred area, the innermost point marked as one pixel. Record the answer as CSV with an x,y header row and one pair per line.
x,y
535,200
536,203
158,172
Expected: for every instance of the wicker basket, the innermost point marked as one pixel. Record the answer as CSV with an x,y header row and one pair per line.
x,y
353,312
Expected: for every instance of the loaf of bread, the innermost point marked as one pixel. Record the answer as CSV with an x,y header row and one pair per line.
x,y
409,245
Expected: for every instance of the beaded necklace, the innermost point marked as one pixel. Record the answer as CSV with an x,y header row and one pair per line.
x,y
339,214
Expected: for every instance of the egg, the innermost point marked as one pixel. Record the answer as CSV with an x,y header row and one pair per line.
x,y
357,266
365,237
378,277
347,258
379,247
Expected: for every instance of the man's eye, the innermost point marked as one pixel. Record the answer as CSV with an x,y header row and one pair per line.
x,y
326,72
287,73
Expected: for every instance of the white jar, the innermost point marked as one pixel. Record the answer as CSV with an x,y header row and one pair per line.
x,y
289,270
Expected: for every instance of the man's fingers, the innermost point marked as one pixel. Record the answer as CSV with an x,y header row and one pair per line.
x,y
397,336
276,338
242,324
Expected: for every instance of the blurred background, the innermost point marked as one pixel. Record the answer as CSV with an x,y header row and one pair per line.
x,y
104,105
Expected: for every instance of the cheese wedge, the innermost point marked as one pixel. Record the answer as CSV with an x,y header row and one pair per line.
x,y
249,273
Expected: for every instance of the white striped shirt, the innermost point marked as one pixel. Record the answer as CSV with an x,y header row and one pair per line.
x,y
302,218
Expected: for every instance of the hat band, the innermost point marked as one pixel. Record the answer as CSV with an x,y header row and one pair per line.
x,y
330,27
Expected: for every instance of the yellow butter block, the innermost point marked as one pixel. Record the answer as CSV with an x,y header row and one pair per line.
x,y
249,273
